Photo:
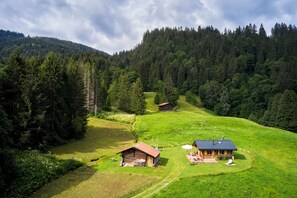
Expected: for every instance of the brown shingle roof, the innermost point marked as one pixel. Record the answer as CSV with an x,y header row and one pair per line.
x,y
145,148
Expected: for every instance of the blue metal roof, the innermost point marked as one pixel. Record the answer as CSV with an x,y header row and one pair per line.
x,y
215,145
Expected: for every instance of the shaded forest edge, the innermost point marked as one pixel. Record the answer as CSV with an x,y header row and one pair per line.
x,y
45,98
243,73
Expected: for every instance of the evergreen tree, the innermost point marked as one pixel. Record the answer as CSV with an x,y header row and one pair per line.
x,y
32,115
171,92
52,83
191,98
223,107
75,101
12,101
113,98
160,94
287,111
138,104
123,93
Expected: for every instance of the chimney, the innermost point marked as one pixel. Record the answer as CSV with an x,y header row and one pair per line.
x,y
212,142
223,137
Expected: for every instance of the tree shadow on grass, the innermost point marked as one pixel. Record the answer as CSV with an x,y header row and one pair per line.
x,y
239,156
97,138
65,182
163,161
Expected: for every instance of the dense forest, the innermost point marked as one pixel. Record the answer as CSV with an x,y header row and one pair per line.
x,y
49,86
37,46
243,73
45,101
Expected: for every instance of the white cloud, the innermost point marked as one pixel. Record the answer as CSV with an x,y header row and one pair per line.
x,y
116,25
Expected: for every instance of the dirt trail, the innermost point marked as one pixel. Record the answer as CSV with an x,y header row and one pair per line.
x,y
160,185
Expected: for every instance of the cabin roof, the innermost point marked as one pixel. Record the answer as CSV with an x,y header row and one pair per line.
x,y
215,145
144,148
163,104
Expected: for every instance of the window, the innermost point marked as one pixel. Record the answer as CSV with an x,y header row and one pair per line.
x,y
222,152
209,152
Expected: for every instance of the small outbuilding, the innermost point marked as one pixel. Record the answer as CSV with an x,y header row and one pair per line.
x,y
140,154
213,149
166,106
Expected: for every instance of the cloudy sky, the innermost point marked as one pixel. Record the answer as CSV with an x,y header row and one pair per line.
x,y
116,25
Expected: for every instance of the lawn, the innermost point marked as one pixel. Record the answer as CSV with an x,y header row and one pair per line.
x,y
103,177
265,163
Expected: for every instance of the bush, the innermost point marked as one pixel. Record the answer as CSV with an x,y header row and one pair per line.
x,y
33,170
191,98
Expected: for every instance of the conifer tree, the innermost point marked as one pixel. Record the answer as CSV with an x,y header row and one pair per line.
x,y
52,95
287,111
137,98
160,94
12,103
123,93
75,101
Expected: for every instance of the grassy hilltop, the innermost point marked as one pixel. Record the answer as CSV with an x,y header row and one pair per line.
x,y
265,162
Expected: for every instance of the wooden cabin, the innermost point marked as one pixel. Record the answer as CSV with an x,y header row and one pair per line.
x,y
166,106
140,154
213,149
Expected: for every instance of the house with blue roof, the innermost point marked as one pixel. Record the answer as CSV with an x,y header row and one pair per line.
x,y
213,149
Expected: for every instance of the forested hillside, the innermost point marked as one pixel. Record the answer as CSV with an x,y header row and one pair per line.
x,y
33,46
243,73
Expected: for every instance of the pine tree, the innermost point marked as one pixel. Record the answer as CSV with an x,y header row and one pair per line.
x,y
123,93
52,99
160,94
137,98
113,98
75,101
32,116
12,102
171,92
287,111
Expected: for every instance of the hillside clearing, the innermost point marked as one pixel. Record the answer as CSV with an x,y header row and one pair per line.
x,y
102,141
261,168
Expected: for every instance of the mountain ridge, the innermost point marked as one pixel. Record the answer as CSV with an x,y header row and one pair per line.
x,y
40,46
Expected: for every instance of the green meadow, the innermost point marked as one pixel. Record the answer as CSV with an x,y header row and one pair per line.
x,y
265,163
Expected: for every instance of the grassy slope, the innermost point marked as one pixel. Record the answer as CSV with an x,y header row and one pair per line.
x,y
271,154
265,162
103,140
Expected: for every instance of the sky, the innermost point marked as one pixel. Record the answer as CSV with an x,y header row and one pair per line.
x,y
116,25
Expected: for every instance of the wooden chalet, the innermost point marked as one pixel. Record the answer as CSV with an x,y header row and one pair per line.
x,y
213,149
166,106
140,155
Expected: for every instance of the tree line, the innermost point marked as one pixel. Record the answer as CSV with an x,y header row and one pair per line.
x,y
42,101
236,73
45,101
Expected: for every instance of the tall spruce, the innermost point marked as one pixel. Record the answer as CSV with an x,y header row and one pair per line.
x,y
123,93
287,111
12,101
52,83
75,101
137,98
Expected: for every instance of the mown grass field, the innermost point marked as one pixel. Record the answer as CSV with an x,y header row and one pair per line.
x,y
268,156
265,162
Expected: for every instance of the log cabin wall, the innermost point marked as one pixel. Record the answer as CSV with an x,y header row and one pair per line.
x,y
149,161
131,155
